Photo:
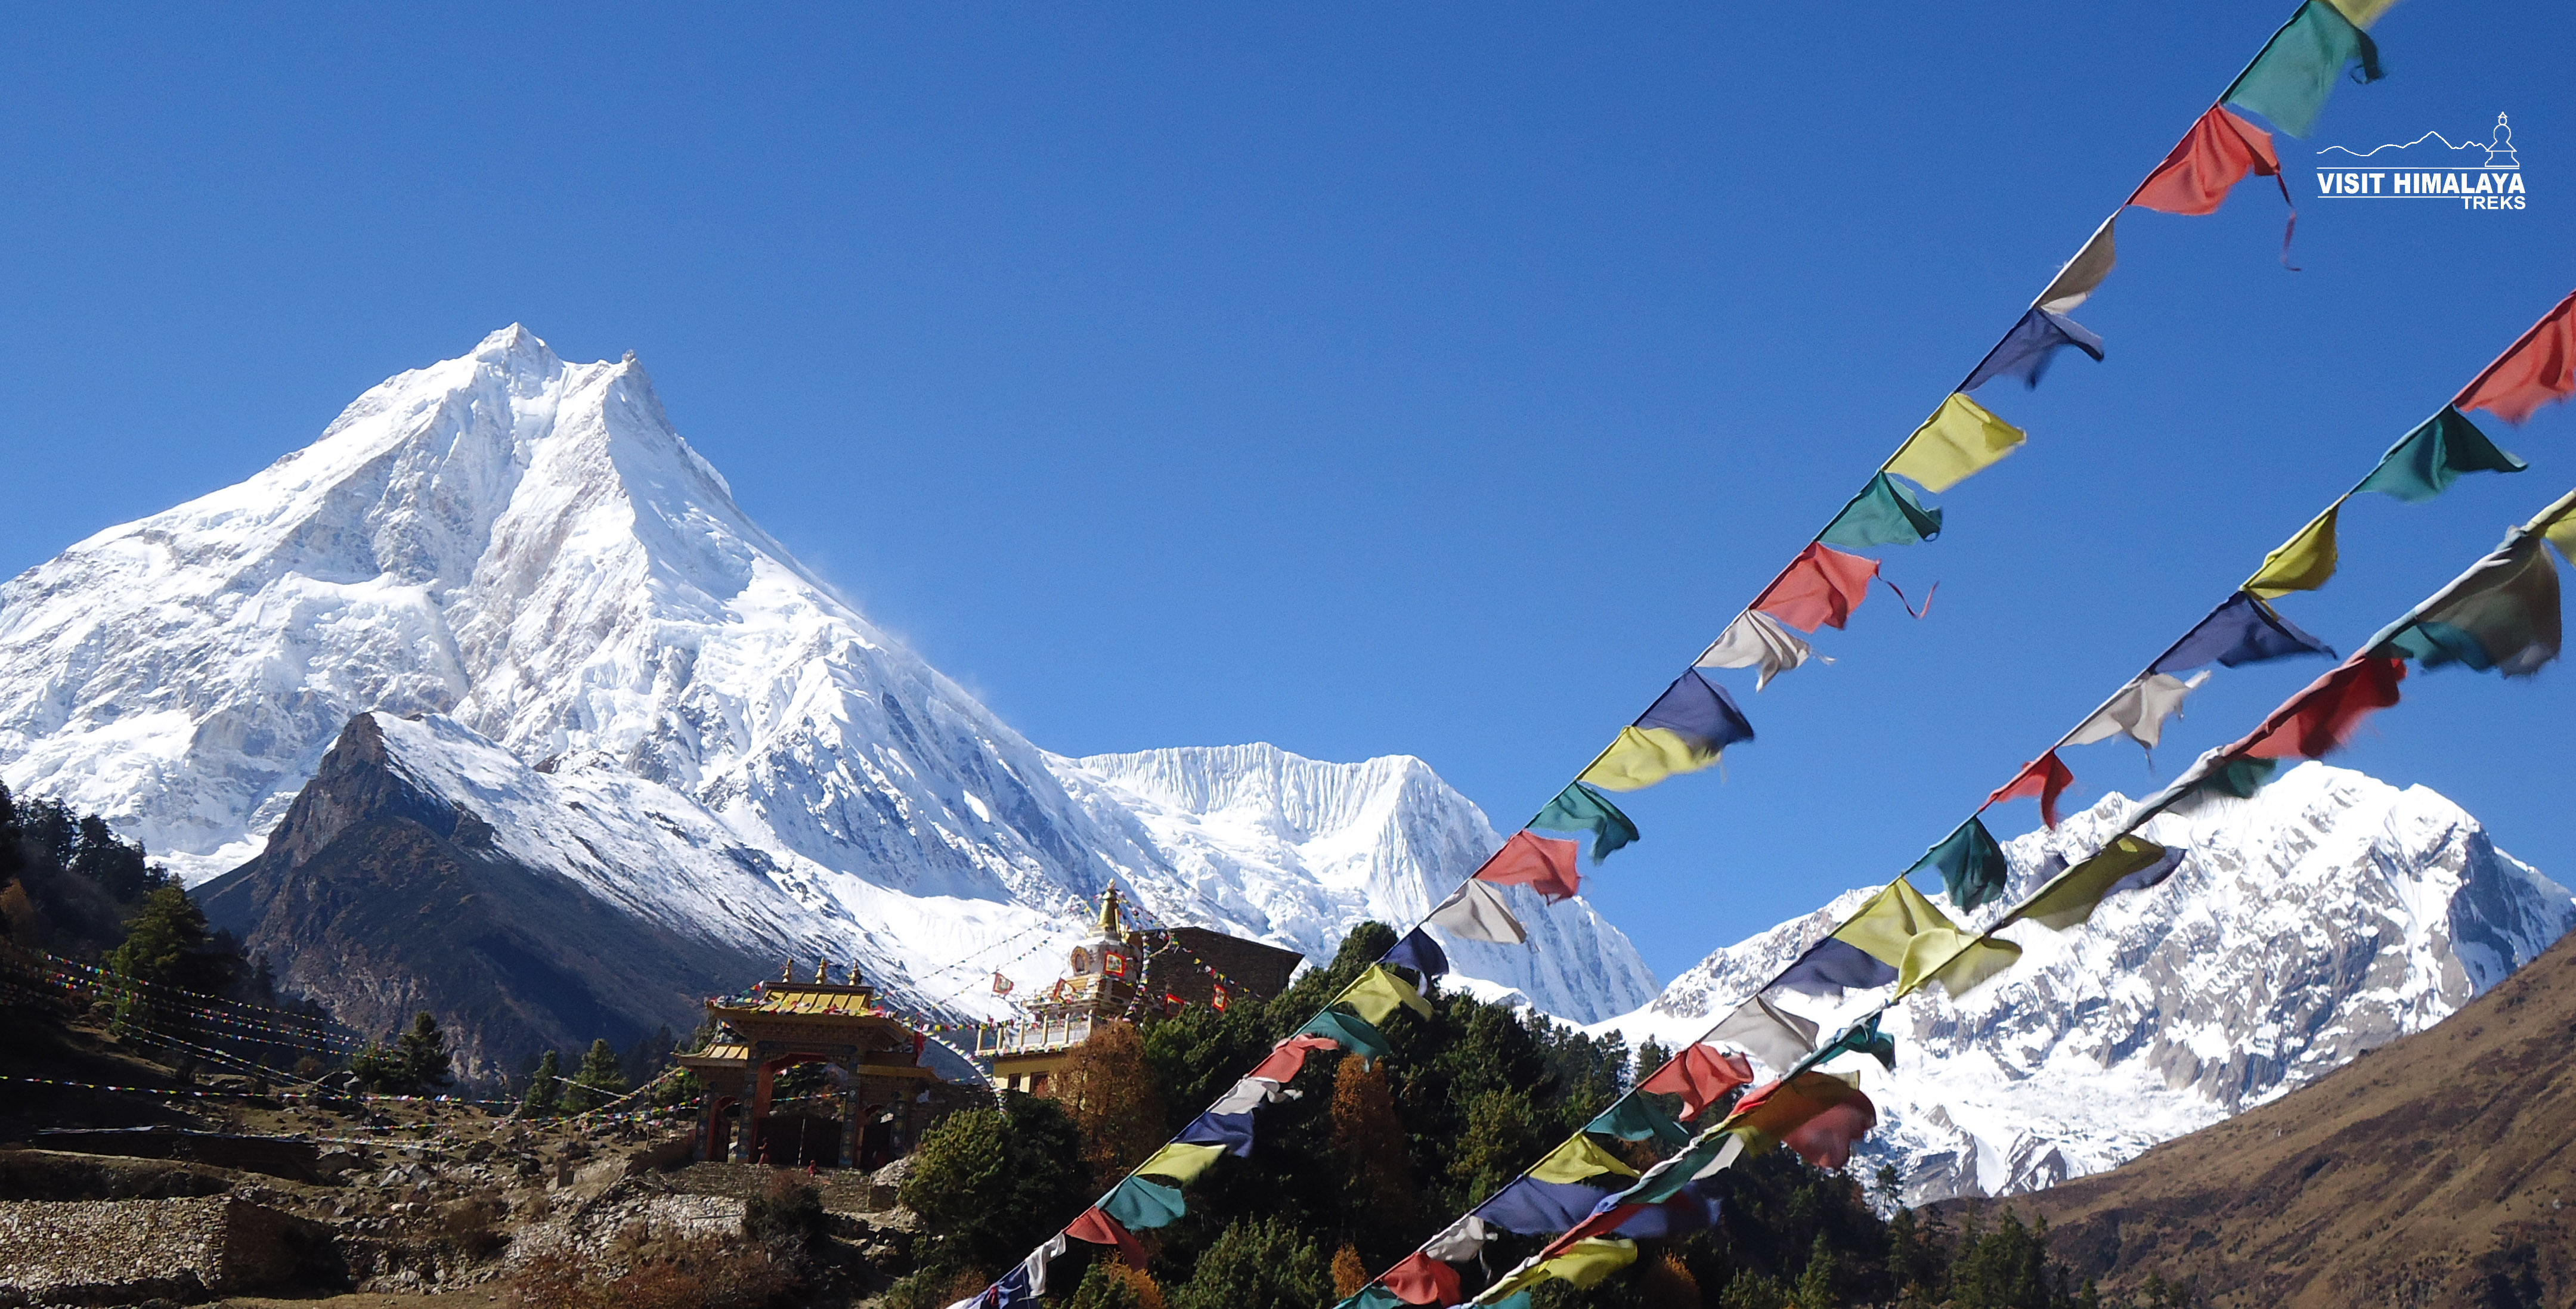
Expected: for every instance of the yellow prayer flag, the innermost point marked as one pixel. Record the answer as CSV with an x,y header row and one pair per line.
x,y
1589,1260
1377,993
2560,528
1956,441
2303,563
1580,1157
2361,13
1955,959
1643,756
1886,926
2076,893
1181,1161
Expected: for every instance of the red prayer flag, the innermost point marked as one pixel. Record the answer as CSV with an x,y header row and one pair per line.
x,y
1821,588
2211,158
1541,863
1288,1058
1826,1139
1700,1075
2321,718
1421,1279
2539,368
2046,777
1101,1229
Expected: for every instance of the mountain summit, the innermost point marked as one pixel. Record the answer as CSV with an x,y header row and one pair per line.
x,y
522,557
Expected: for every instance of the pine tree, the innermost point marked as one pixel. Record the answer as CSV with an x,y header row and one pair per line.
x,y
1350,1272
545,1092
160,945
598,1081
379,1069
422,1051
1502,1133
1816,1284
1261,1263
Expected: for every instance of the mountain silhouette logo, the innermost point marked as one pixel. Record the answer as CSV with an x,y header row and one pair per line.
x,y
2479,175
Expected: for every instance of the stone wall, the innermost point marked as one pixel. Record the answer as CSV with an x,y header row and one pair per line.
x,y
121,1251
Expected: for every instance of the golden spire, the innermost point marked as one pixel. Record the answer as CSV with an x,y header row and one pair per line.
x,y
1108,927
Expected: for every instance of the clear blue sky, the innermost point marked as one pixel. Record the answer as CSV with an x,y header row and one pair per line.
x,y
1361,378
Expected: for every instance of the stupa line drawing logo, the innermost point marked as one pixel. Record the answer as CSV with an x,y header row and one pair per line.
x,y
2477,175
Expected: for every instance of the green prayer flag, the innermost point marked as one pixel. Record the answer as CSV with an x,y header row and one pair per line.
x,y
1640,1115
1373,1296
2502,617
2240,778
2435,454
1579,808
1971,863
1863,1038
1138,1204
2289,82
1884,513
1356,1035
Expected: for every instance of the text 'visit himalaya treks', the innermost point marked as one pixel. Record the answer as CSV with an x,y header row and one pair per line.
x,y
1702,1109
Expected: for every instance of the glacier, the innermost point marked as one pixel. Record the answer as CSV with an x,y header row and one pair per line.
x,y
2326,916
563,622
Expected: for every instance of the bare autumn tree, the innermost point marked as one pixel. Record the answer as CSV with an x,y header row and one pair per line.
x,y
1369,1140
1109,1094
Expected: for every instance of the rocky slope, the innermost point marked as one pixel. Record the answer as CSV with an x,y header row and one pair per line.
x,y
522,554
2438,1171
2329,915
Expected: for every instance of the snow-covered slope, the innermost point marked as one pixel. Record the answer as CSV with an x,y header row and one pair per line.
x,y
524,555
2330,914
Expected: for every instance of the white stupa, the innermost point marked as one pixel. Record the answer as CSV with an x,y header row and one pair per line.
x,y
2500,147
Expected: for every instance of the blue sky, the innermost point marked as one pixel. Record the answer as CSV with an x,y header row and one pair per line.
x,y
1365,379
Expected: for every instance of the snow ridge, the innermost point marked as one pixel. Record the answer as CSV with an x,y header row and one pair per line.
x,y
517,563
2330,914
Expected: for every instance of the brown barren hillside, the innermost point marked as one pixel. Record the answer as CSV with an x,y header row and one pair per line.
x,y
2436,1170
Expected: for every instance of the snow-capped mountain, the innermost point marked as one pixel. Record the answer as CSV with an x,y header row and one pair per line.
x,y
2330,914
605,655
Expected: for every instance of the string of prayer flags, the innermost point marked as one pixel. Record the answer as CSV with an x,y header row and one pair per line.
x,y
2503,616
2302,563
2430,458
1351,1032
1182,1161
2046,777
2290,80
1959,440
1420,953
2128,863
1773,1035
1543,864
1884,513
1377,993
1421,1279
2538,369
2076,281
2139,710
1686,729
2210,160
1820,589
1099,1228
2322,717
1897,936
2031,345
1758,640
2241,631
1476,912
1579,808
1973,869
1701,1075
1232,1132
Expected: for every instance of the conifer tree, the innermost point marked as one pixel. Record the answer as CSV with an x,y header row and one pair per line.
x,y
545,1091
1368,1138
598,1080
1350,1272
1816,1284
1109,1093
422,1052
161,945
